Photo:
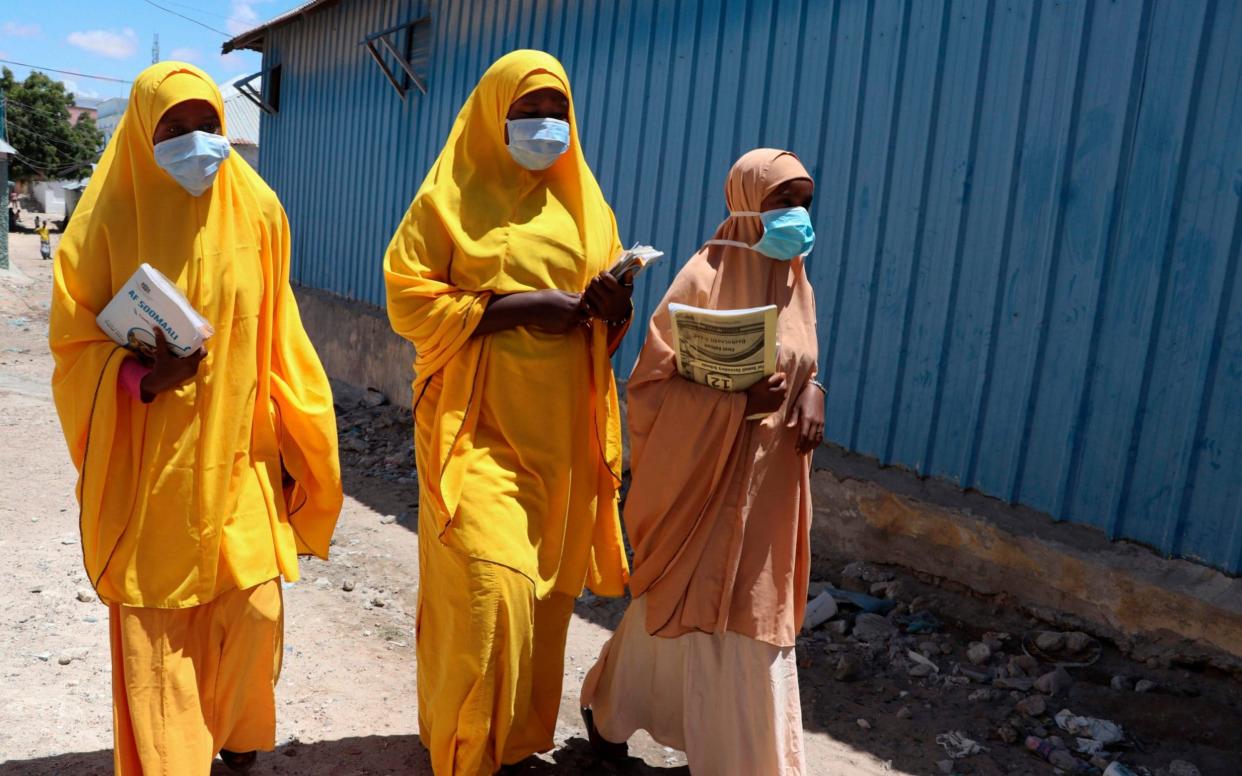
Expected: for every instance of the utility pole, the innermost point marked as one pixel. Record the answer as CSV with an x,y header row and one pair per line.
x,y
5,150
155,49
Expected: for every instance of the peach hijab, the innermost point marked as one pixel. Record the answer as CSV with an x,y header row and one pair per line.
x,y
719,512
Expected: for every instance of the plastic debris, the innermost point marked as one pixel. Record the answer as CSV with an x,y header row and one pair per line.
x,y
819,611
1100,730
918,658
958,745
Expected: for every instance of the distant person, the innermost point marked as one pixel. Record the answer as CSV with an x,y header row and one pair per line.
x,y
719,511
497,275
201,479
45,238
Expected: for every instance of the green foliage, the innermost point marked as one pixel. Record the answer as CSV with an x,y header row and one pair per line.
x,y
37,119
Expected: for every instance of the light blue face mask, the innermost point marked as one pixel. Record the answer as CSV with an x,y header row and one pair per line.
x,y
787,233
536,144
193,159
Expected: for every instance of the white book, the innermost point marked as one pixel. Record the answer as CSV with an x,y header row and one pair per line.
x,y
633,261
149,300
729,350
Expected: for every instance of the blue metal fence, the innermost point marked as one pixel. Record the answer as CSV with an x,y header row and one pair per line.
x,y
1028,213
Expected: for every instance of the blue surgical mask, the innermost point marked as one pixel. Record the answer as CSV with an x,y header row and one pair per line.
x,y
787,233
536,144
193,159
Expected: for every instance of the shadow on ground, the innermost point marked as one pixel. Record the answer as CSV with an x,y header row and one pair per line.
x,y
361,756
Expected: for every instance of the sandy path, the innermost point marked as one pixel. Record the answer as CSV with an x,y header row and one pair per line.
x,y
347,700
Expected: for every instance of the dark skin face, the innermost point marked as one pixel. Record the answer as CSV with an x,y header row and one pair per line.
x,y
792,193
184,118
540,104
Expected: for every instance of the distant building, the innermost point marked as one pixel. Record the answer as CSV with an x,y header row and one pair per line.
x,y
109,116
84,106
241,121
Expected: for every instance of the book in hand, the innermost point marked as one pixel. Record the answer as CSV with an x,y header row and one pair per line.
x,y
149,300
729,350
633,261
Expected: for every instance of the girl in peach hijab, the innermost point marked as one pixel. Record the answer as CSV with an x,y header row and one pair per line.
x,y
719,512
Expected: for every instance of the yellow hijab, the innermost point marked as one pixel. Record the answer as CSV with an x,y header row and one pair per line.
x,y
480,225
158,482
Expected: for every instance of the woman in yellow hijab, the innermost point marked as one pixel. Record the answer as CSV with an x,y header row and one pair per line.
x,y
497,275
201,478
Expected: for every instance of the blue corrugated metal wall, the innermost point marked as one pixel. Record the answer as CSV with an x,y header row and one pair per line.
x,y
1028,212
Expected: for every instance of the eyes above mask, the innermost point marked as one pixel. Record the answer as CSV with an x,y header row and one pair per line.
x,y
536,144
193,159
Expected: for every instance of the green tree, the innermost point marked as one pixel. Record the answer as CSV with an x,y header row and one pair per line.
x,y
37,118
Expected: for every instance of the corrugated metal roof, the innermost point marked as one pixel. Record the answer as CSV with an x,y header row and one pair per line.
x,y
241,116
1029,232
253,39
5,148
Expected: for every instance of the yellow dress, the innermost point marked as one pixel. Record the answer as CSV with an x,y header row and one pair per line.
x,y
181,502
517,433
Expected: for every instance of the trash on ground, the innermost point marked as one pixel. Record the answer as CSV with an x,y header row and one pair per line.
x,y
1101,730
959,745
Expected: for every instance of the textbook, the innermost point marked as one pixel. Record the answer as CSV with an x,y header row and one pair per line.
x,y
729,350
147,300
634,261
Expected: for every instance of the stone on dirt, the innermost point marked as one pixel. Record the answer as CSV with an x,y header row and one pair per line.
x,y
1054,682
979,653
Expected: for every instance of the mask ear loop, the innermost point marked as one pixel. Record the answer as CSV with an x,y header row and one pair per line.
x,y
736,243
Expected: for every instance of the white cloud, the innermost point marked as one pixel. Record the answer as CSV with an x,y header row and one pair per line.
x,y
242,16
106,43
77,91
19,30
185,54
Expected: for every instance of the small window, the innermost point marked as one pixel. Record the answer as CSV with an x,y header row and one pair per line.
x,y
408,46
267,94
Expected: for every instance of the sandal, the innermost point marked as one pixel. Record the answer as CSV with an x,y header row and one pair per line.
x,y
604,748
239,762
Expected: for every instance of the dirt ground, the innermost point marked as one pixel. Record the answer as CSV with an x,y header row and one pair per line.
x,y
347,700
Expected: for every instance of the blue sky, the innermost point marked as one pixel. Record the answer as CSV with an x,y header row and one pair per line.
x,y
113,37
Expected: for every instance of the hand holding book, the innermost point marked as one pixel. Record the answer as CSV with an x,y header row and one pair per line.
x,y
168,370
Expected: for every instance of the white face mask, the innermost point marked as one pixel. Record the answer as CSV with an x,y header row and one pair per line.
x,y
193,159
536,144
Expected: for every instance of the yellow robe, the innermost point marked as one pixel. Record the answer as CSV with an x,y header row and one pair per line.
x,y
181,499
517,433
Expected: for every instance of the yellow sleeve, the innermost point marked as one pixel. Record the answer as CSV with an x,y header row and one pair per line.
x,y
306,420
423,304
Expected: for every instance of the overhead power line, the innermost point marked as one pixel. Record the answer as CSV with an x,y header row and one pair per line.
x,y
187,18
67,72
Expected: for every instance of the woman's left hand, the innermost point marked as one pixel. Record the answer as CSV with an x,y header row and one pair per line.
x,y
808,418
607,299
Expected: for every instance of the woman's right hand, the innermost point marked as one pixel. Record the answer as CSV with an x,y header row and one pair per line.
x,y
168,371
766,396
555,311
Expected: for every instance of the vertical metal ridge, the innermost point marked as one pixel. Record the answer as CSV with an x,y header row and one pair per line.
x,y
1064,177
847,228
1134,434
916,253
803,26
963,224
1191,470
696,50
1002,270
1073,458
886,196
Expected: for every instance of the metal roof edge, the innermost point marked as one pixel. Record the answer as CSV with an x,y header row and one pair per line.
x,y
253,39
